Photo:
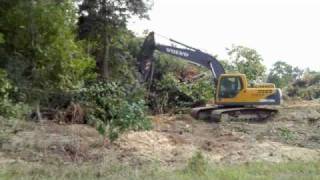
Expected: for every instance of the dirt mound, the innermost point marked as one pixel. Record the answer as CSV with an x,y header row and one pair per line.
x,y
227,148
61,143
176,138
154,146
266,151
148,143
278,152
299,112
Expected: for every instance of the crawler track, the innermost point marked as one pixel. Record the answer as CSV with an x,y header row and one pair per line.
x,y
219,113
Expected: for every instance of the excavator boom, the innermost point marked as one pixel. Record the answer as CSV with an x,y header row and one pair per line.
x,y
188,53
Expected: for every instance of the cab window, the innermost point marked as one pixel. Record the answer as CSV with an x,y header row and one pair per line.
x,y
230,87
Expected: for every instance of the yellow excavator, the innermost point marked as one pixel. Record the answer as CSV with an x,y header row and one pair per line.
x,y
234,98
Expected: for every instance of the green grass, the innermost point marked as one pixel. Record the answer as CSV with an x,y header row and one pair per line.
x,y
286,134
255,171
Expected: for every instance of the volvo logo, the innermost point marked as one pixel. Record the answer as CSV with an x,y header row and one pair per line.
x,y
177,52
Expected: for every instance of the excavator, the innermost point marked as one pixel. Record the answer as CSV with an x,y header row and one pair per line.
x,y
235,98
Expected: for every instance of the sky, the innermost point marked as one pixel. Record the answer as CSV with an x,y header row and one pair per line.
x,y
287,30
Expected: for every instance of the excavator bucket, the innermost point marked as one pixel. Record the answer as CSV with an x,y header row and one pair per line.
x,y
145,57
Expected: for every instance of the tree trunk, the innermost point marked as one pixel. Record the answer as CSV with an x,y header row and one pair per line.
x,y
104,69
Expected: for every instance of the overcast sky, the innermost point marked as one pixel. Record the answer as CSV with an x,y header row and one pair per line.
x,y
287,30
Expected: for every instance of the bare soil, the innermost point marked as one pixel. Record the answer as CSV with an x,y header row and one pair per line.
x,y
294,134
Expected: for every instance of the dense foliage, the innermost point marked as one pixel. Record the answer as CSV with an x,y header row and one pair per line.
x,y
5,88
109,103
47,59
174,85
101,23
307,87
247,61
295,82
8,108
282,73
40,53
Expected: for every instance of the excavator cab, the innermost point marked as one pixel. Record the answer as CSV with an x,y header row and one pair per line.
x,y
233,90
230,86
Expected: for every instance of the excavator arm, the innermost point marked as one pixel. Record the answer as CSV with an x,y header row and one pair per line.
x,y
188,53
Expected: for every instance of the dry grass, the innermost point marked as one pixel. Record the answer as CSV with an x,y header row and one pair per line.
x,y
283,171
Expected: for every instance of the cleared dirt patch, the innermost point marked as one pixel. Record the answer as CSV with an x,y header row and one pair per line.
x,y
293,135
175,139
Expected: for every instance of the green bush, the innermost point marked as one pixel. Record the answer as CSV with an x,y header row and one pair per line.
x,y
114,108
173,86
7,107
169,94
307,87
165,94
286,134
201,90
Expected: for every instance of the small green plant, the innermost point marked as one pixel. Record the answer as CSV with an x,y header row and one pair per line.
x,y
286,134
197,164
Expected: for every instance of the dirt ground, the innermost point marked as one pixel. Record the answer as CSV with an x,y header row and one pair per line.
x,y
294,134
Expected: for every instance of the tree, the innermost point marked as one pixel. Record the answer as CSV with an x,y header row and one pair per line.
x,y
297,73
101,20
39,51
44,63
311,77
247,61
281,74
228,66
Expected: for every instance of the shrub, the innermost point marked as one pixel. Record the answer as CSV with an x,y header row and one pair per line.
x,y
197,164
169,94
201,90
166,95
114,108
307,88
177,84
7,107
286,134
